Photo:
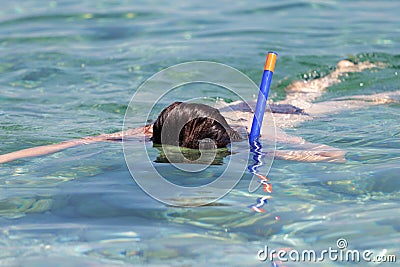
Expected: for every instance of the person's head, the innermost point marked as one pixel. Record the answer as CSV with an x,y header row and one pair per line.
x,y
189,124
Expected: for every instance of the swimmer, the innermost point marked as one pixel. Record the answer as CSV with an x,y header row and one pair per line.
x,y
222,126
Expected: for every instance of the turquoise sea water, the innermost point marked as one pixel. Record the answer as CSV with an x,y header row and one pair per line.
x,y
69,68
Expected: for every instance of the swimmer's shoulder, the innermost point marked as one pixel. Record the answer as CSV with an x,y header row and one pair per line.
x,y
241,106
235,106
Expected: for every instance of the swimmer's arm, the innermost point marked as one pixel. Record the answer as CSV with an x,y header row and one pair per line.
x,y
49,149
312,155
145,131
42,150
302,93
320,84
311,152
353,102
307,152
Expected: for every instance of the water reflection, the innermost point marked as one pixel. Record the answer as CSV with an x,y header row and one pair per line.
x,y
175,154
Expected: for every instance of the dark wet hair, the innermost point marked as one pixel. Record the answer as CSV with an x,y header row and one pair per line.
x,y
197,123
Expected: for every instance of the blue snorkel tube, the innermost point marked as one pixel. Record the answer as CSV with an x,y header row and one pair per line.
x,y
262,97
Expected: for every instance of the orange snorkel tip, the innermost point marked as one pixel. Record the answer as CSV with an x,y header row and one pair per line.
x,y
270,61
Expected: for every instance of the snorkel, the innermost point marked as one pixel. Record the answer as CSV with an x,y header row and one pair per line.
x,y
262,97
255,144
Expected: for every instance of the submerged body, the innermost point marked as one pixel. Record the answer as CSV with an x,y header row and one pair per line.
x,y
297,107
